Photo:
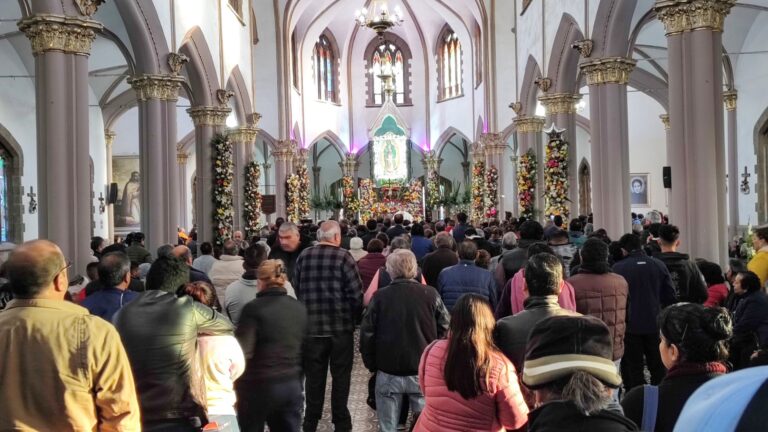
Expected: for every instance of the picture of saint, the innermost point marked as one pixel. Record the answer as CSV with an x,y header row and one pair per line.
x,y
131,200
638,184
127,175
390,157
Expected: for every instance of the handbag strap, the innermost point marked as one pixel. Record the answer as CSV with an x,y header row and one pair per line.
x,y
650,407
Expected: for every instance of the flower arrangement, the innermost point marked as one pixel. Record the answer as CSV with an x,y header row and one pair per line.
x,y
351,203
223,175
251,199
492,192
556,177
368,200
526,183
478,191
292,198
304,192
413,200
747,250
433,190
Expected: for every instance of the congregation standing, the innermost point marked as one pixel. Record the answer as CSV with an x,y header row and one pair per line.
x,y
464,325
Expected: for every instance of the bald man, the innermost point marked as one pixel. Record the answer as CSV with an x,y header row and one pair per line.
x,y
329,285
61,368
195,275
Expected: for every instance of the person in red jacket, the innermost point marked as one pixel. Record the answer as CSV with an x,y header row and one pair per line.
x,y
717,290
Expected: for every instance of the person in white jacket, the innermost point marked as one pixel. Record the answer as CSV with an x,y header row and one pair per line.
x,y
227,269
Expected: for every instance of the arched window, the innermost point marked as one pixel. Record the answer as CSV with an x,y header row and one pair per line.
x,y
478,56
450,77
326,68
4,217
393,54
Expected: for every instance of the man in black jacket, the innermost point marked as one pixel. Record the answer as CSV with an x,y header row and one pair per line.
x,y
398,229
530,232
290,244
443,257
159,331
400,322
689,282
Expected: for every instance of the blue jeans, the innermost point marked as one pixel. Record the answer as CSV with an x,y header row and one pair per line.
x,y
227,423
389,397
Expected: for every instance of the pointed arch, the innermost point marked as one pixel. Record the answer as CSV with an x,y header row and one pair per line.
x,y
564,60
612,26
325,59
445,138
242,100
450,75
201,70
530,91
393,45
145,31
334,140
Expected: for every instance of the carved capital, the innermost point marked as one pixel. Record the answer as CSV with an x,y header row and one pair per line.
x,y
60,33
109,137
350,165
610,70
176,61
243,135
729,99
665,119
687,15
493,143
300,157
88,7
161,87
529,124
254,119
431,161
477,150
517,107
560,103
584,47
285,150
209,116
543,83
224,96
182,158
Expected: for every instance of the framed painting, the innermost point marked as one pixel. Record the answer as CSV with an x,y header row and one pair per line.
x,y
127,175
639,190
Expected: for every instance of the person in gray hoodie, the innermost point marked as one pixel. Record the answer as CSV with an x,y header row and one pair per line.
x,y
242,291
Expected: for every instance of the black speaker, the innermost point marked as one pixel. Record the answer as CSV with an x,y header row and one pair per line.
x,y
667,177
112,198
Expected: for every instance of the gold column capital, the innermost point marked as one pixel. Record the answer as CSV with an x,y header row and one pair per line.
x,y
70,35
532,124
162,87
609,70
209,115
431,161
182,158
109,137
687,15
560,103
493,143
729,99
477,150
665,119
285,150
301,156
243,134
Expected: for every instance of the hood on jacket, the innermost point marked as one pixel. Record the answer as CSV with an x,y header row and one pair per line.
x,y
564,416
672,256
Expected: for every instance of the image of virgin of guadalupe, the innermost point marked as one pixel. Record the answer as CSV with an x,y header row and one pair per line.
x,y
131,202
390,157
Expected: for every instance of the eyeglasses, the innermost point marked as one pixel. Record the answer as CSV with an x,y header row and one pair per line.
x,y
66,267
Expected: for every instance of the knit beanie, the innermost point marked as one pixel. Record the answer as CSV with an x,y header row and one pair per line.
x,y
560,345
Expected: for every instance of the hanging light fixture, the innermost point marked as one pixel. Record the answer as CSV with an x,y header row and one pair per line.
x,y
378,18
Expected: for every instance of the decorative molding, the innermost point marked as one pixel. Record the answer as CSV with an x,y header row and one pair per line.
x,y
209,116
59,33
254,119
162,87
224,96
243,135
584,47
88,7
665,119
176,61
544,84
285,150
109,137
729,99
560,103
493,143
300,158
431,161
685,15
350,165
182,158
531,124
609,70
517,107
477,150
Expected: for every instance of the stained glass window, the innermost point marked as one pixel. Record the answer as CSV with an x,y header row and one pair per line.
x,y
325,61
450,73
388,56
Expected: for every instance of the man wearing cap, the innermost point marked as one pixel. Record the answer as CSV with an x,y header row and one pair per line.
x,y
572,352
543,278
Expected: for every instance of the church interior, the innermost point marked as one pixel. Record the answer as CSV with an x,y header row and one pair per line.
x,y
111,110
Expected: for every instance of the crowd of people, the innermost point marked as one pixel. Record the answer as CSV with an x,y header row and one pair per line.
x,y
489,326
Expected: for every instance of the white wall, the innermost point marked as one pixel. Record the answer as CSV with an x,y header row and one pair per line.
x,y
647,146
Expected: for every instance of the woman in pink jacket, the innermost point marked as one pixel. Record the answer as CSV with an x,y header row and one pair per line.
x,y
468,384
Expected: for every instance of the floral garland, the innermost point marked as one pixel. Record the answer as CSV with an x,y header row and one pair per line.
x,y
492,192
251,199
223,175
304,192
292,197
526,184
433,189
478,191
413,200
351,203
556,177
367,200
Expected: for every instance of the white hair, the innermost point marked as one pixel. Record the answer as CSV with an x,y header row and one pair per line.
x,y
401,264
328,231
287,227
509,241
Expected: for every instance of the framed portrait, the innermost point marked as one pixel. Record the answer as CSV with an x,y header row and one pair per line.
x,y
639,190
127,175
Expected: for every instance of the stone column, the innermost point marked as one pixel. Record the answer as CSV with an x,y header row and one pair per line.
x,y
607,79
283,154
494,156
515,209
561,111
109,140
730,98
529,130
694,38
350,166
61,46
242,140
208,120
182,158
466,170
160,200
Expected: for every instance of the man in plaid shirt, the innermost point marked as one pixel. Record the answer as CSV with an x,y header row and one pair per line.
x,y
329,285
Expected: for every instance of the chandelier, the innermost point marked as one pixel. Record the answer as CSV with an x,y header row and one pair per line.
x,y
378,18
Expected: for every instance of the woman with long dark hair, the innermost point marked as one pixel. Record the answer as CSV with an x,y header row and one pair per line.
x,y
467,382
